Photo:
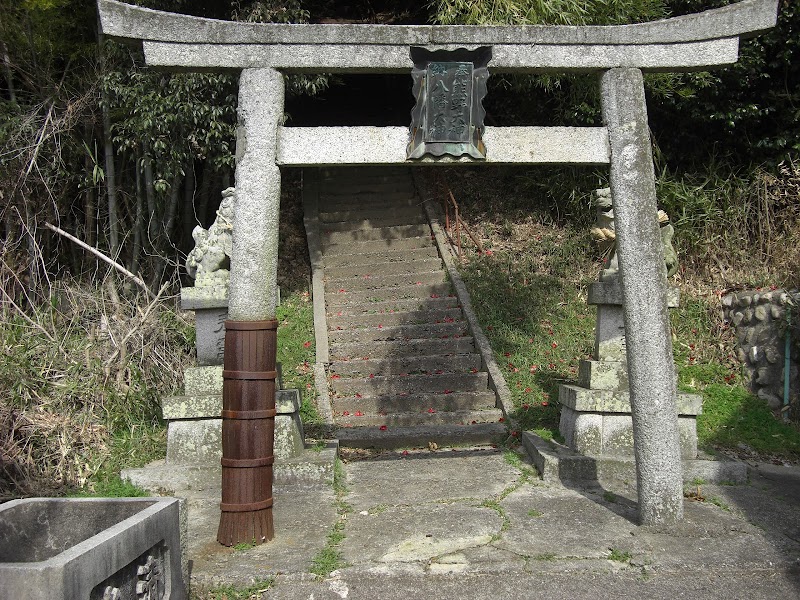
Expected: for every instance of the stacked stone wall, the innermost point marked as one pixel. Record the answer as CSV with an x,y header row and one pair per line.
x,y
761,319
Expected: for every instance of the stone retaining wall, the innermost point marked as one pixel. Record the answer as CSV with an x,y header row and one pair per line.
x,y
760,319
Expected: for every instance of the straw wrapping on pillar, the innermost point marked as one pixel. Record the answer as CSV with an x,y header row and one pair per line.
x,y
248,430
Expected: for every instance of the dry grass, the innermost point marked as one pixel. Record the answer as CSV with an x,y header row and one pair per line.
x,y
80,379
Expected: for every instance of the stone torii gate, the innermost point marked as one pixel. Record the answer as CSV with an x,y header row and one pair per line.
x,y
263,53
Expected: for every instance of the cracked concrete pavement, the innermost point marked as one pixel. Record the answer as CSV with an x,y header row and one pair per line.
x,y
479,523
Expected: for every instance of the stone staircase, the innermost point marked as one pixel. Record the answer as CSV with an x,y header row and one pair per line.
x,y
403,369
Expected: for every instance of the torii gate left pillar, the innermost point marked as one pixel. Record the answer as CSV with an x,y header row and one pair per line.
x,y
248,393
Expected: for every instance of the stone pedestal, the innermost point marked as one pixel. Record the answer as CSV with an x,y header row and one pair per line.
x,y
195,422
596,414
210,306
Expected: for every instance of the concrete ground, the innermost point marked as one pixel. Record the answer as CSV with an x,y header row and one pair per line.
x,y
474,524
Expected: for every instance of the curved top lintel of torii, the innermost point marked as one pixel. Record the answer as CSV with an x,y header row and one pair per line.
x,y
741,19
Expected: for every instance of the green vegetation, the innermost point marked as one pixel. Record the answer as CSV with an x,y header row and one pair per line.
x,y
229,592
296,350
111,487
329,558
619,555
81,378
529,292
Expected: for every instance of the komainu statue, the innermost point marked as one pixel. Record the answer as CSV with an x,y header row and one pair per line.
x,y
209,262
604,234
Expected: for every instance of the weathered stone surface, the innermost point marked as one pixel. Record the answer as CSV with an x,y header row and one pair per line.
x,y
201,406
644,290
603,375
610,292
598,434
193,298
67,548
742,18
609,334
194,442
618,401
447,476
394,59
253,288
203,380
762,340
194,429
301,146
419,533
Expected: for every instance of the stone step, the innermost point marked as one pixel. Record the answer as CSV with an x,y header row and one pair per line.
x,y
411,384
410,265
352,247
383,256
457,401
363,223
360,173
400,332
366,185
372,282
353,199
421,418
411,305
374,234
422,436
461,363
410,211
387,294
400,348
392,318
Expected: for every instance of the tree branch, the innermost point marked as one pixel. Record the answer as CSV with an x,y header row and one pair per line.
x,y
103,257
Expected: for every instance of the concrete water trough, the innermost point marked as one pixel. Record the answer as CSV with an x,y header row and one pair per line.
x,y
91,549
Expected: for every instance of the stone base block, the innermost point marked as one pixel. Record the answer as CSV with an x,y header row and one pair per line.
x,y
602,434
194,432
598,422
603,375
199,381
615,401
558,463
194,442
310,469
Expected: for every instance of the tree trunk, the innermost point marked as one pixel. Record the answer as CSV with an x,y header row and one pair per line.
x,y
108,147
203,194
138,224
12,95
188,218
172,210
149,192
89,209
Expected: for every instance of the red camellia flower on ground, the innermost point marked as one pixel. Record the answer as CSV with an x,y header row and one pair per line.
x,y
383,428
359,413
306,344
431,410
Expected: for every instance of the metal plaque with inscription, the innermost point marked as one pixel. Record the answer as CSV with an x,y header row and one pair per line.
x,y
449,86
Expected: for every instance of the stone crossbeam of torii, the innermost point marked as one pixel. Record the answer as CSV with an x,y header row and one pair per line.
x,y
264,53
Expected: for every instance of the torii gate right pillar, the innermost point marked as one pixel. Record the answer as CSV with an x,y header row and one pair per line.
x,y
644,290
